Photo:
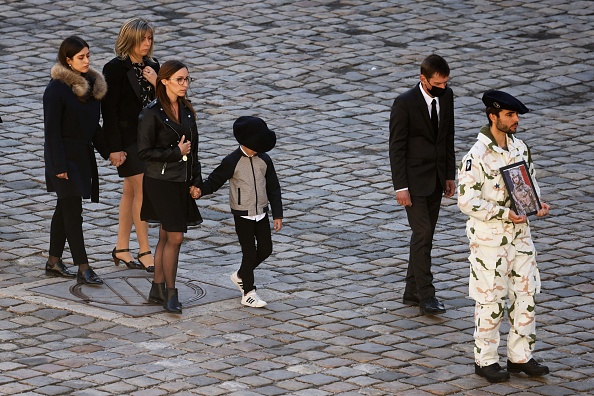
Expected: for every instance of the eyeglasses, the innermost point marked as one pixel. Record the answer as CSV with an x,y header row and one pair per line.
x,y
182,80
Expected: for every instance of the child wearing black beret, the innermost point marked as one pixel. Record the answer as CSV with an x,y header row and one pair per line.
x,y
253,184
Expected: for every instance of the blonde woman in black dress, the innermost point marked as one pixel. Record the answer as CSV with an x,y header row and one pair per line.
x,y
131,78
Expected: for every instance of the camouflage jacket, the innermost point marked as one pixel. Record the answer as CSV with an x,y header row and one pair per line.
x,y
481,190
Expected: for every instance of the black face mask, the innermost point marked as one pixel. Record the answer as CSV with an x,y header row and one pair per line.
x,y
436,91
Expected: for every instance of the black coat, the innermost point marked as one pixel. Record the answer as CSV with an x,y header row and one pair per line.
x,y
72,131
158,139
417,157
122,104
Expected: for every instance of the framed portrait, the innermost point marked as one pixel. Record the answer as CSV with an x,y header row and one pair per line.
x,y
520,187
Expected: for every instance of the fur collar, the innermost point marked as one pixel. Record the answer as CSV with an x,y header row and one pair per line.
x,y
78,83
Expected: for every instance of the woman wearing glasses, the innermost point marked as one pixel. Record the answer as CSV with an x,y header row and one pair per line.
x,y
168,142
131,77
71,124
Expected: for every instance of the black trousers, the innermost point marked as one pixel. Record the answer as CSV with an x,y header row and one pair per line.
x,y
66,225
422,218
256,246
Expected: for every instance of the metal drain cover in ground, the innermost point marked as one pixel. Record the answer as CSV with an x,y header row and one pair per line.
x,y
128,292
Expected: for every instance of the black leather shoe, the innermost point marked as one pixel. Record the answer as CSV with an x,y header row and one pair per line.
x,y
493,372
171,303
531,368
410,299
431,306
157,293
88,277
58,269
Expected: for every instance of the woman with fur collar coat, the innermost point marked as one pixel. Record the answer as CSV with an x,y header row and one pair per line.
x,y
71,110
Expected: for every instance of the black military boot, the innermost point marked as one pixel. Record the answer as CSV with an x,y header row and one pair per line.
x,y
492,372
531,368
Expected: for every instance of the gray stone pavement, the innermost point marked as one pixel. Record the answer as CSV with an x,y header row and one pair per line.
x,y
323,74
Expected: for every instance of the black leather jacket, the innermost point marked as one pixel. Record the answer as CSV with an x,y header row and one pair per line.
x,y
158,139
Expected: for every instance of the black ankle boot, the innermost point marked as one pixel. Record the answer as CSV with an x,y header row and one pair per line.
x,y
172,303
157,293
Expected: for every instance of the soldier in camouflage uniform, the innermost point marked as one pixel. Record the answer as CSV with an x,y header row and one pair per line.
x,y
502,255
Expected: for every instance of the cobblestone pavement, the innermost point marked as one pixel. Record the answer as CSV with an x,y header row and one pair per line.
x,y
323,74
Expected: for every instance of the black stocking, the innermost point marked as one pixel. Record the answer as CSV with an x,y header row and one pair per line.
x,y
166,257
159,276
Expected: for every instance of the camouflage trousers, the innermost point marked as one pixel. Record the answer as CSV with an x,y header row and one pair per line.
x,y
500,276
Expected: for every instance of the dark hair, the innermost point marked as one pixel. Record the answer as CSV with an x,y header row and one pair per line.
x,y
492,110
434,64
70,47
167,70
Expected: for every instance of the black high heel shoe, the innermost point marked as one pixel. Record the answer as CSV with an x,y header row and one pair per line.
x,y
130,264
88,277
148,269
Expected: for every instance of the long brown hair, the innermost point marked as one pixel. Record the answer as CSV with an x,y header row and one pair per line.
x,y
167,70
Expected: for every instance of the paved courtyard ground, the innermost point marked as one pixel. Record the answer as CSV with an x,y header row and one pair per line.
x,y
323,74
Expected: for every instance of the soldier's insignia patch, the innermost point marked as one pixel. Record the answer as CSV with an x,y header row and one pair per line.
x,y
468,165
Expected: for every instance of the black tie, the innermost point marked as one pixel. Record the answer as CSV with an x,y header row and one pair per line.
x,y
434,120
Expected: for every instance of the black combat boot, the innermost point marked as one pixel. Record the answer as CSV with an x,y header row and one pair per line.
x,y
532,368
493,372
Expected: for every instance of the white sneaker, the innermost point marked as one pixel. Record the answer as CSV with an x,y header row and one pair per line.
x,y
253,300
238,282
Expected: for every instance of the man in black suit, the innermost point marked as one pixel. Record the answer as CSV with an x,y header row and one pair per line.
x,y
423,167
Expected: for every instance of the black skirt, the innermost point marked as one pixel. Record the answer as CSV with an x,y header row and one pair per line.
x,y
170,204
133,164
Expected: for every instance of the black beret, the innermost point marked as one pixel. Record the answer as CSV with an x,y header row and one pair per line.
x,y
503,100
253,133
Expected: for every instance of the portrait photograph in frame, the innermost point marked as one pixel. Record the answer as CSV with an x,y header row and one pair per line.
x,y
524,199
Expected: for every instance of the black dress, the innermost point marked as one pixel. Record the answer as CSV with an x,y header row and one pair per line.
x,y
169,202
128,93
